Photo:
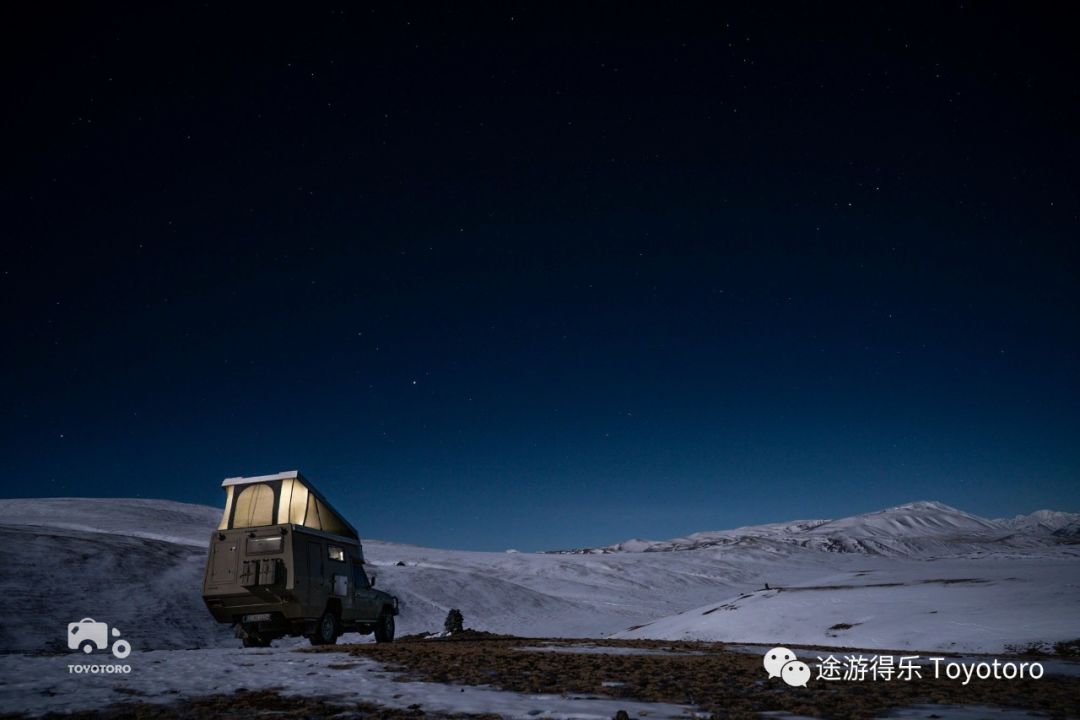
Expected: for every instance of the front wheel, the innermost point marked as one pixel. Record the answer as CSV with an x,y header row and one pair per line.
x,y
327,631
384,629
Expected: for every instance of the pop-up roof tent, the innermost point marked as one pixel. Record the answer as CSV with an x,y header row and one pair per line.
x,y
287,498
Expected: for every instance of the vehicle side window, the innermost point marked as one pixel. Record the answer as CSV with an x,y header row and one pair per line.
x,y
336,553
360,578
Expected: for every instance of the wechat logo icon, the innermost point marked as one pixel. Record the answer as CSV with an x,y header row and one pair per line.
x,y
782,663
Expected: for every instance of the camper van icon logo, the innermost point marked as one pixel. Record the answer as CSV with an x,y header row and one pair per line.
x,y
89,635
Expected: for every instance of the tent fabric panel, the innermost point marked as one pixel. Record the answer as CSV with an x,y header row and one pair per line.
x,y
298,503
330,521
254,506
224,524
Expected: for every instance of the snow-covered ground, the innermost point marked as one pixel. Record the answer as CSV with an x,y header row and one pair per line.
x,y
37,685
68,559
164,520
958,605
922,576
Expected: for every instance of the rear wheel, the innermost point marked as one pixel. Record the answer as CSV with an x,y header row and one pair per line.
x,y
327,631
384,628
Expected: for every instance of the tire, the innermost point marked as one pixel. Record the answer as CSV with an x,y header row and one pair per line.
x,y
327,630
384,628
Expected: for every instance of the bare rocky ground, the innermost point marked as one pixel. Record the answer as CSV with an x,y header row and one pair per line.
x,y
720,682
245,704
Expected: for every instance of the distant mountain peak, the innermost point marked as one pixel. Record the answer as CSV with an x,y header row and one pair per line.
x,y
1044,521
921,528
924,505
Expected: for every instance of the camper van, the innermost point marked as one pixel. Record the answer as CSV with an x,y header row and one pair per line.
x,y
284,562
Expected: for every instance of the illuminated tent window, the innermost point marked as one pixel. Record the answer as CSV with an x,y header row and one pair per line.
x,y
311,518
283,499
330,521
294,502
254,506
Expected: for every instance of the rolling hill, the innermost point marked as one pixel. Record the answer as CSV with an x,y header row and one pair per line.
x,y
921,575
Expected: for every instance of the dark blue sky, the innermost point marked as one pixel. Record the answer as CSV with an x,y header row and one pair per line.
x,y
537,280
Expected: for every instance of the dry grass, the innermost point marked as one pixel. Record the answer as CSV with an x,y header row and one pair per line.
x,y
246,704
725,683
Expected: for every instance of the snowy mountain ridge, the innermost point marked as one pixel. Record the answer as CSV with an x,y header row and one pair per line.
x,y
924,528
1042,521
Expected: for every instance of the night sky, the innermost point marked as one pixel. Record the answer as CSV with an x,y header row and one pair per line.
x,y
542,278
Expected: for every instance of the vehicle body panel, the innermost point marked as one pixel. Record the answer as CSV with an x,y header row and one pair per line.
x,y
287,574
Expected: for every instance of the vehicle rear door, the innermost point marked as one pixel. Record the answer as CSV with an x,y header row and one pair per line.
x,y
223,560
316,576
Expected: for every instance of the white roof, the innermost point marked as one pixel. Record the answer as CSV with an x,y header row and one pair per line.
x,y
286,475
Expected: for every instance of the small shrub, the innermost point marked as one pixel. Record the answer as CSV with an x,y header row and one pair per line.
x,y
1035,648
454,622
1068,648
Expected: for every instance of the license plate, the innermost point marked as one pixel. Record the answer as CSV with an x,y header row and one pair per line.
x,y
258,617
